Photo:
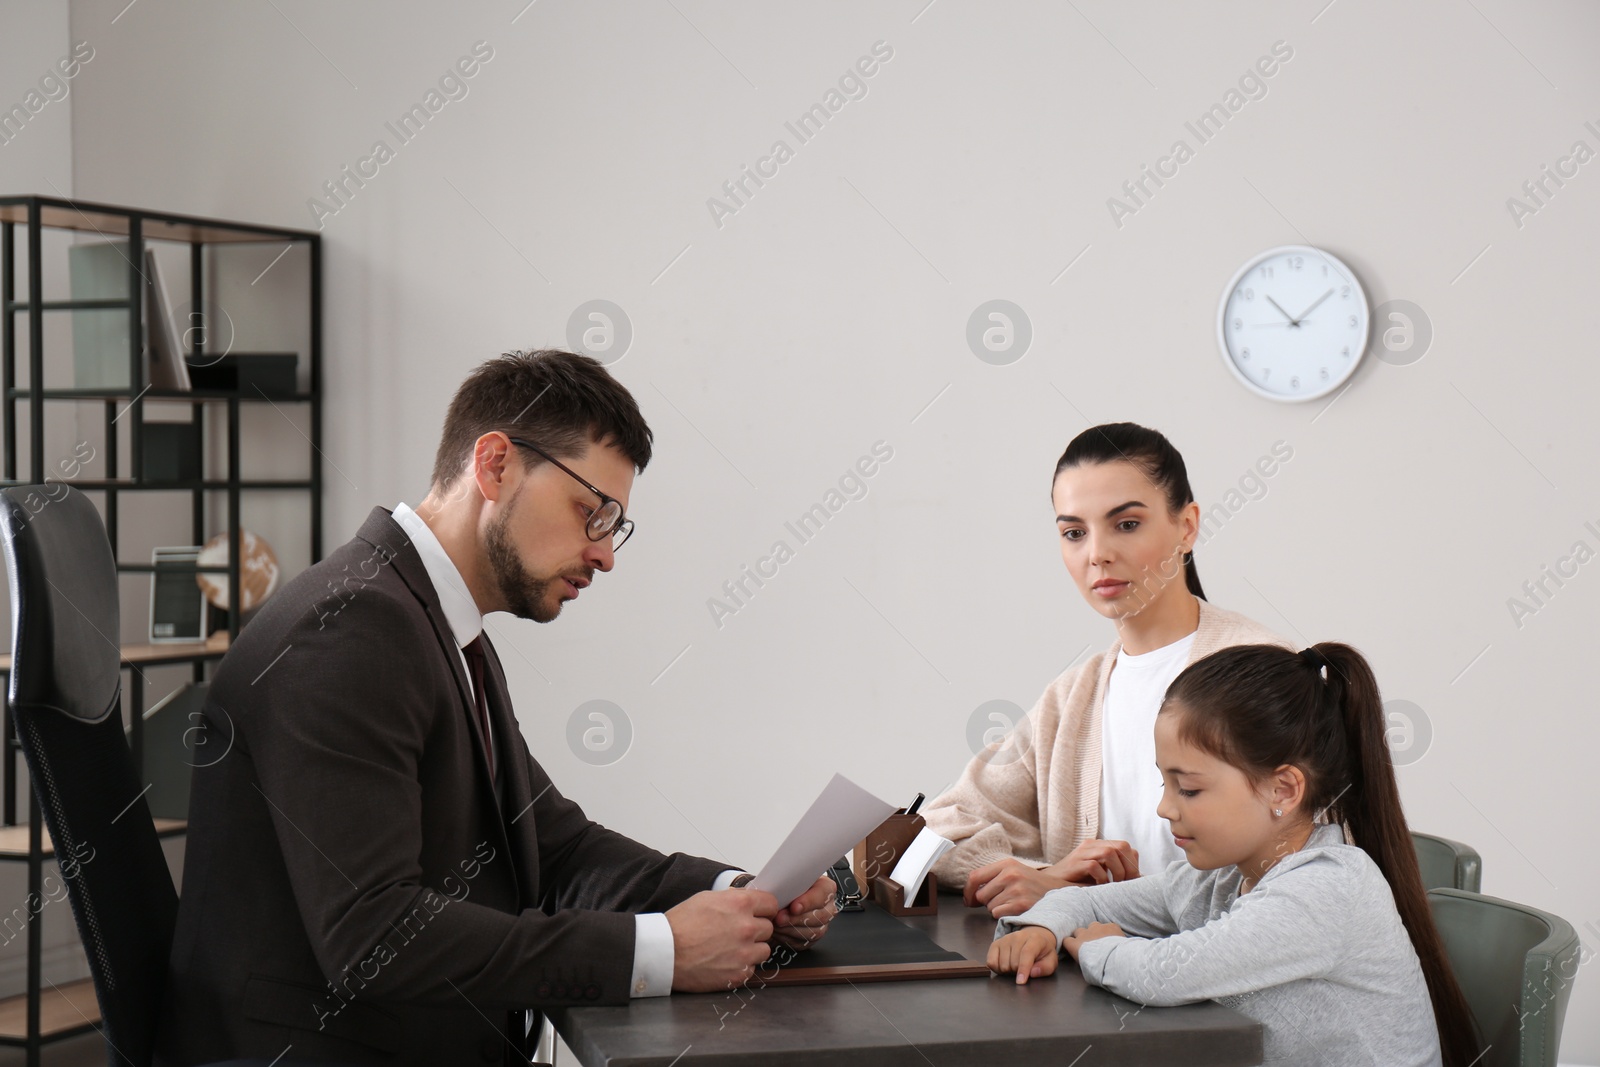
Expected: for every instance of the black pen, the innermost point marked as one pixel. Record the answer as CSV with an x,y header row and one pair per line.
x,y
915,804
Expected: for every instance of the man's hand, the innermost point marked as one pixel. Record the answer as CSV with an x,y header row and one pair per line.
x,y
1030,952
1009,887
807,917
1092,932
719,938
1097,862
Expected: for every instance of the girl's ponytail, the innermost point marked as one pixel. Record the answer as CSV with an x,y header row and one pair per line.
x,y
1368,803
1260,707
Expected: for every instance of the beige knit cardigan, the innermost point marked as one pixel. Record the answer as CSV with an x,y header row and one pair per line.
x,y
1040,806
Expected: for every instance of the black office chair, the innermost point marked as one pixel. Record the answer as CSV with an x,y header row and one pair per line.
x,y
66,701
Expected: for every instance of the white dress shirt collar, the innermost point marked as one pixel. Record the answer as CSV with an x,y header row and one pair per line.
x,y
460,610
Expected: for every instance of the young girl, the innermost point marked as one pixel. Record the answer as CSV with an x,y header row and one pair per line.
x,y
1267,756
1065,798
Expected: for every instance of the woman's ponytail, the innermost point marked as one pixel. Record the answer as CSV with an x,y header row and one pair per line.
x,y
1191,576
1368,804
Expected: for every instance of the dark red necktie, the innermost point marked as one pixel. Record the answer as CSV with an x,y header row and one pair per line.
x,y
475,661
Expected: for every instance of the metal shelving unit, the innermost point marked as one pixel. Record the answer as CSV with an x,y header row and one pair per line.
x,y
34,1018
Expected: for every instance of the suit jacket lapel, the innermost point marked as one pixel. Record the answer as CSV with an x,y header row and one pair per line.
x,y
519,789
389,537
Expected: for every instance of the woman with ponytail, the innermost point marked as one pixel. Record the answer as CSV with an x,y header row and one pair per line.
x,y
1065,799
1269,759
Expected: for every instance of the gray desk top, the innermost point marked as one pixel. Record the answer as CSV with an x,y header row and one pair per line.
x,y
953,1022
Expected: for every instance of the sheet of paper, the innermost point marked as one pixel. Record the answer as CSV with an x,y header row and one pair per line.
x,y
918,859
836,820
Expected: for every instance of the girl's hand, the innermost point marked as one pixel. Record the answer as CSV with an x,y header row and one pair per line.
x,y
1091,932
1030,952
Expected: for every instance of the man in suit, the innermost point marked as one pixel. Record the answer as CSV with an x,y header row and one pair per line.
x,y
378,871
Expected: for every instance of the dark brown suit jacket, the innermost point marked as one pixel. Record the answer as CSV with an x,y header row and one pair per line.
x,y
352,887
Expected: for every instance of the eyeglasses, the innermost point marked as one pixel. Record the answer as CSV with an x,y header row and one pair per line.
x,y
607,519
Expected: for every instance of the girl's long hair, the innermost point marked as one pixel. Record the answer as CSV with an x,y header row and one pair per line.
x,y
1153,454
1260,707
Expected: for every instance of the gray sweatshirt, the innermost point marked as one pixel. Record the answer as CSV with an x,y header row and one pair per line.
x,y
1315,952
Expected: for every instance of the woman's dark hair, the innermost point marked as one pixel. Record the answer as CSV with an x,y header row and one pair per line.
x,y
1261,707
1153,454
558,400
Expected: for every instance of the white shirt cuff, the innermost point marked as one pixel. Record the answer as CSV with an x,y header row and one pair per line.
x,y
724,879
653,948
652,956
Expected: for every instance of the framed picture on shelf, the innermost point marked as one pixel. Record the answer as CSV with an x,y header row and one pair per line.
x,y
177,602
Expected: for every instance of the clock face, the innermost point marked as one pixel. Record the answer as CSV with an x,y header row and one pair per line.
x,y
1293,323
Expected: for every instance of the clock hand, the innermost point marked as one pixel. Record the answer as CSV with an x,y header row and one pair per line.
x,y
1320,299
1292,320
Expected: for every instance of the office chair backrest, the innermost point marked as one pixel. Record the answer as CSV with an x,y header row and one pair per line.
x,y
1447,864
1516,965
66,701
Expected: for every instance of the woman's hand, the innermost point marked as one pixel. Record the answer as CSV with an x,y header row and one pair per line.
x,y
1097,862
1092,932
1009,887
1029,952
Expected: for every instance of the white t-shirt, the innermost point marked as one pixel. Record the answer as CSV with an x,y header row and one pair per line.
x,y
1130,782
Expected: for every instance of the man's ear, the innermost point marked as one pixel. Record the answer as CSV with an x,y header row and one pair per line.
x,y
491,453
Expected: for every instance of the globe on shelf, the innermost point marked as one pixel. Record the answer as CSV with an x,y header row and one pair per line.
x,y
258,574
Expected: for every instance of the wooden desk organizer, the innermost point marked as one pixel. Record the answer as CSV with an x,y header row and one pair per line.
x,y
875,857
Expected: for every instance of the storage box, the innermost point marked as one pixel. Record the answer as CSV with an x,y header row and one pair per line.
x,y
273,373
171,452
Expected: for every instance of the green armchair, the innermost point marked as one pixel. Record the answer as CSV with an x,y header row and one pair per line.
x,y
1516,965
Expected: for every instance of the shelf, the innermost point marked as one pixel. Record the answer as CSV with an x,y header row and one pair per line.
x,y
63,1009
125,484
109,221
120,304
69,1008
192,395
149,568
177,652
155,655
128,484
14,843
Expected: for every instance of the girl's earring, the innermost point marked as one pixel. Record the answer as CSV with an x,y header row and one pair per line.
x,y
1278,812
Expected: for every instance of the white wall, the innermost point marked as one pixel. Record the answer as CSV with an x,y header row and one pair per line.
x,y
35,154
773,350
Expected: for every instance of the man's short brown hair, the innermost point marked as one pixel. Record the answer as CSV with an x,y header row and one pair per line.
x,y
558,400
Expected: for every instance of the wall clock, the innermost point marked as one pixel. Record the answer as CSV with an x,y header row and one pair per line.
x,y
1292,324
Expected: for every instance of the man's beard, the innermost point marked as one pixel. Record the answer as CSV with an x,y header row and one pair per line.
x,y
524,595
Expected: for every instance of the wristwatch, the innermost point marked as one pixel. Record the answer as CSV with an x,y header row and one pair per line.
x,y
741,880
847,895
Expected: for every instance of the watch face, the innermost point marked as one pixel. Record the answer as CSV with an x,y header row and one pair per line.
x,y
1293,323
